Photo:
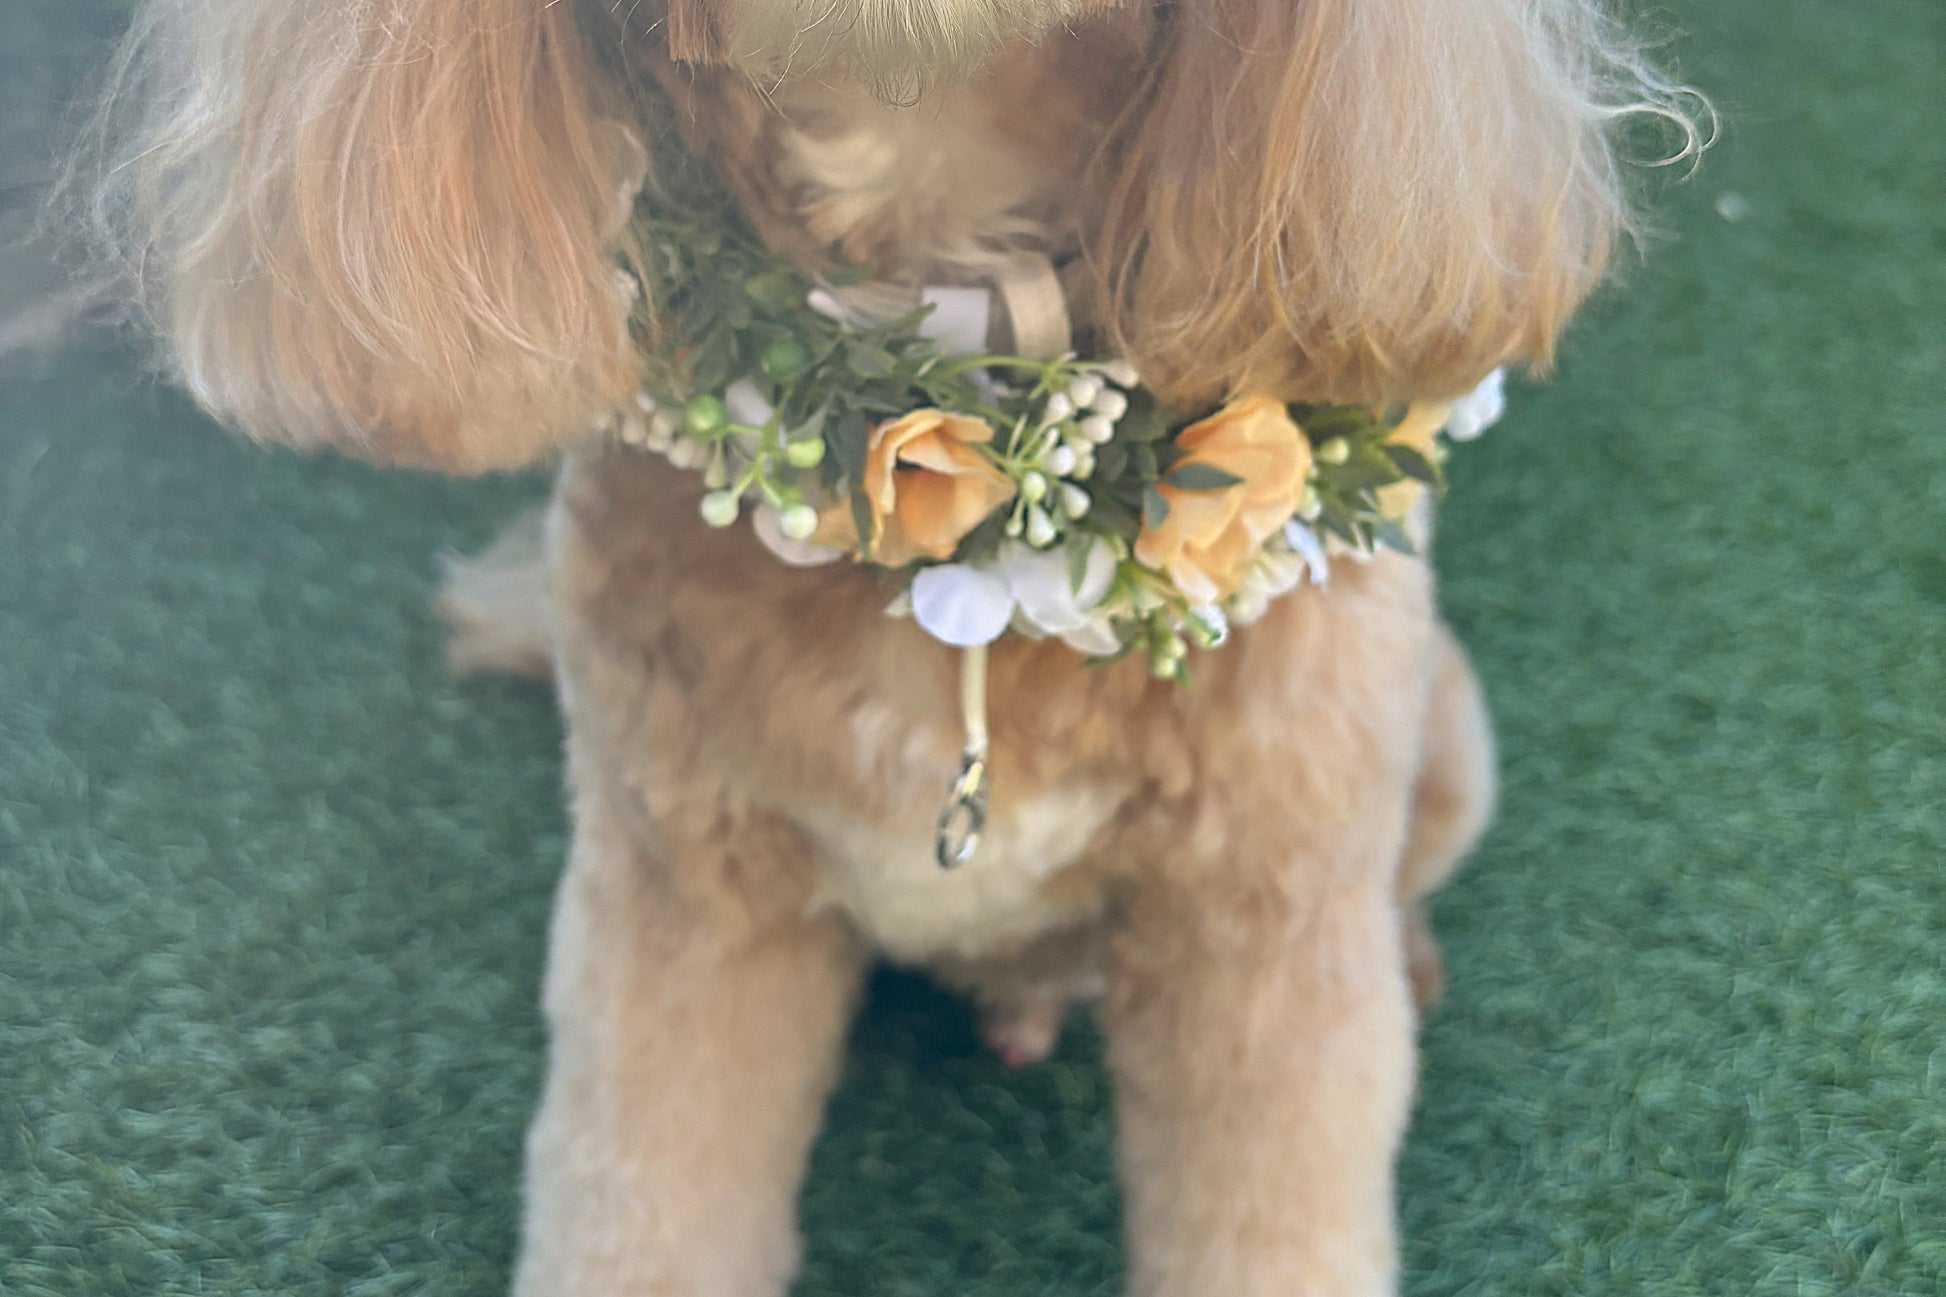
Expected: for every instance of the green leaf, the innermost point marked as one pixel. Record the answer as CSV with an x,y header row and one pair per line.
x,y
1144,421
1339,523
847,440
1322,423
868,361
861,518
1368,469
1079,546
712,362
1111,461
1388,533
691,327
1112,514
1200,477
1413,464
775,291
801,398
907,325
982,543
811,427
1155,508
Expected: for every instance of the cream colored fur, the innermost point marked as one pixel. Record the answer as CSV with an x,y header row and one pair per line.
x,y
390,225
895,46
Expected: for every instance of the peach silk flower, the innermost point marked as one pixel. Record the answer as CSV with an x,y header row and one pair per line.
x,y
927,485
1206,542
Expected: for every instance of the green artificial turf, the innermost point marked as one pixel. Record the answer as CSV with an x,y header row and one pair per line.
x,y
273,889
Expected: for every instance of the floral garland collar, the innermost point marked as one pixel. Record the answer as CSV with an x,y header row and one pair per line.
x,y
1053,497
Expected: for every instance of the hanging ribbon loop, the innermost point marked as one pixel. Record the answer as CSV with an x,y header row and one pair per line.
x,y
964,817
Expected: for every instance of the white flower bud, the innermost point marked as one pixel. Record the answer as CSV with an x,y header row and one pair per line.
x,y
1111,405
1206,626
719,508
1279,572
716,475
1247,606
1033,487
685,453
1165,659
1059,461
1040,527
1121,373
1084,464
635,430
1059,408
1083,390
1335,451
807,452
1014,526
1074,500
1098,428
1309,506
798,521
662,431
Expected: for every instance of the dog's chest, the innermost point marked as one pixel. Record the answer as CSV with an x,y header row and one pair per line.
x,y
880,870
947,191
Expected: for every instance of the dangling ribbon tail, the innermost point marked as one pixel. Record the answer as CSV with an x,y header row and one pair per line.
x,y
965,815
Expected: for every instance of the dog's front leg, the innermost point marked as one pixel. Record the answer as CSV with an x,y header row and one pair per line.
x,y
697,1018
1259,1021
1263,1067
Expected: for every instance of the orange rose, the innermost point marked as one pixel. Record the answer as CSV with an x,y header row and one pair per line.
x,y
927,486
1208,538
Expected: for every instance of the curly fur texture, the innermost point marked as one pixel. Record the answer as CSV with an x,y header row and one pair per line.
x,y
895,47
389,225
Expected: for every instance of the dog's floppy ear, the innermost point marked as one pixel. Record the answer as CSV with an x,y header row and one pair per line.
x,y
1364,199
384,225
695,32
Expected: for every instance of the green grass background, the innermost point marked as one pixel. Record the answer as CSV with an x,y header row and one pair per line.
x,y
273,889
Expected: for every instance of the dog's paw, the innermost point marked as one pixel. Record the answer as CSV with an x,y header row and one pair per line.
x,y
1023,1034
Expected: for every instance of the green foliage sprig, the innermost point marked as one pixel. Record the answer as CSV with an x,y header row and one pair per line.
x,y
757,373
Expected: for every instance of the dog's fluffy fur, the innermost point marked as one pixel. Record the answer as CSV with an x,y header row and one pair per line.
x,y
390,226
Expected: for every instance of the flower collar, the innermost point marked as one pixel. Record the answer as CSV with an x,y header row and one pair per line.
x,y
1043,496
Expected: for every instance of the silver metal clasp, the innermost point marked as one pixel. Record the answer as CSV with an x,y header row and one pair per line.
x,y
964,817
